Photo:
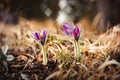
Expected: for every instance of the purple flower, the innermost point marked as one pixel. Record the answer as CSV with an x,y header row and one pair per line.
x,y
36,35
67,29
76,33
40,36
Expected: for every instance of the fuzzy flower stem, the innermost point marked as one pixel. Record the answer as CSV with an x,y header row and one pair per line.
x,y
41,37
78,54
44,55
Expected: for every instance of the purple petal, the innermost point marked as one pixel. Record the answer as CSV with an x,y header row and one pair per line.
x,y
67,29
43,33
67,26
36,35
76,32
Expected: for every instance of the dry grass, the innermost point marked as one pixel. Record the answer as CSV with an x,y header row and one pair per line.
x,y
101,57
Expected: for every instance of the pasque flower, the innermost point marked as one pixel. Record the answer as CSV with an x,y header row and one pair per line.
x,y
74,31
67,29
41,37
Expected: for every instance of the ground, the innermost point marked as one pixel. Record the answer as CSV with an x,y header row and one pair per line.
x,y
100,54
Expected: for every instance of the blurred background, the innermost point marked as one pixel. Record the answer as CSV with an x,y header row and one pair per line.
x,y
60,10
92,14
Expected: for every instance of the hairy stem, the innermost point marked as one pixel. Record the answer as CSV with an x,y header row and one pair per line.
x,y
78,54
44,55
